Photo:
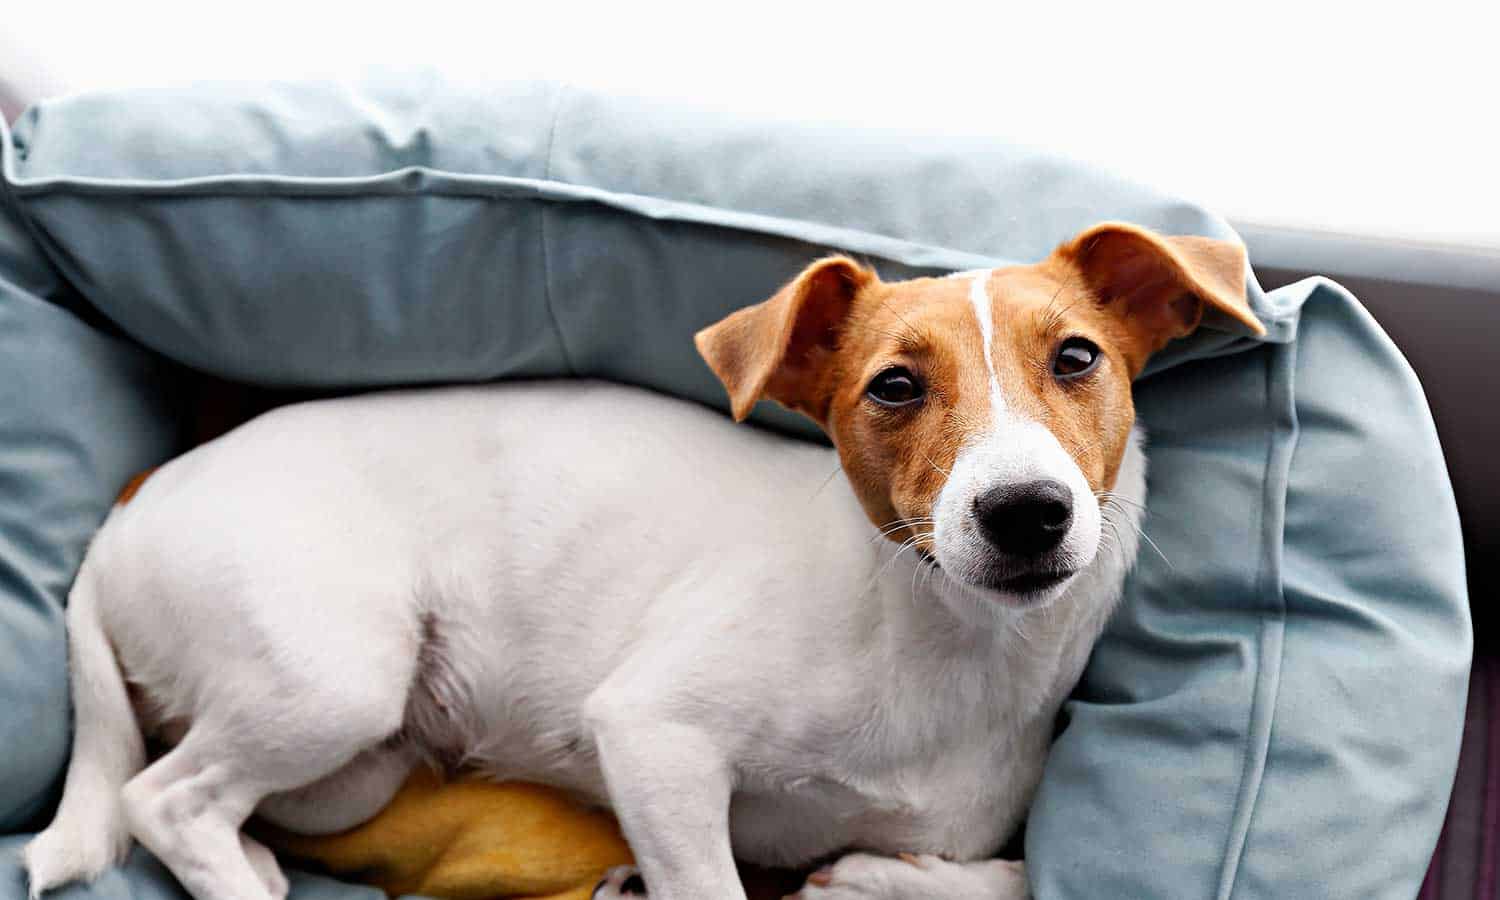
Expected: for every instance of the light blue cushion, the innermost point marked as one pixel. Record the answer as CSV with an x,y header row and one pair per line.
x,y
1281,699
79,413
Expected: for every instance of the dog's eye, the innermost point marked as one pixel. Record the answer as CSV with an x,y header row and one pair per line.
x,y
895,386
1075,358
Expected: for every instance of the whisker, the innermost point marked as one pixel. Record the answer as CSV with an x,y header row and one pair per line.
x,y
932,567
1119,542
899,524
940,470
904,546
899,338
826,482
1111,495
1147,538
1052,316
914,333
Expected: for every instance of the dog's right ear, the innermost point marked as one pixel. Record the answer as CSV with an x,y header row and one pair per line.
x,y
778,350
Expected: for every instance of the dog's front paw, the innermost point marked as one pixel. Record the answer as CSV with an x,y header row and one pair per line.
x,y
860,876
621,881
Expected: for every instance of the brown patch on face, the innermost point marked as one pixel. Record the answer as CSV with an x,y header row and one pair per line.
x,y
817,345
898,459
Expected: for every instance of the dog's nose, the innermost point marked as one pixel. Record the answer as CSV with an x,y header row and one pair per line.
x,y
1025,519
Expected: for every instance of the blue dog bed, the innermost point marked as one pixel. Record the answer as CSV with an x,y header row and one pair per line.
x,y
1273,713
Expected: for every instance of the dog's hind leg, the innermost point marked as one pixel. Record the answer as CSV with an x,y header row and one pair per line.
x,y
263,861
189,806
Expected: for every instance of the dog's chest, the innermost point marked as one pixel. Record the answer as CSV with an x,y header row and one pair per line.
x,y
924,771
960,805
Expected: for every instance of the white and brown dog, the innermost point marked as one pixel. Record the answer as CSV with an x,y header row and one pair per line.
x,y
621,594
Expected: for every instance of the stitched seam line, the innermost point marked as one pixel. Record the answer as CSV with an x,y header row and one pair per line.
x,y
1280,378
562,344
84,310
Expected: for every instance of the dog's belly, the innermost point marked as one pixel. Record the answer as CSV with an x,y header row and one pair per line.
x,y
955,808
559,758
793,828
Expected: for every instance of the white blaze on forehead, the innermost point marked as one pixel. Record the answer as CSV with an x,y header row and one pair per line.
x,y
979,297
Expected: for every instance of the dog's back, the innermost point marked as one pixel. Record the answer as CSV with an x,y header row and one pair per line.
x,y
360,528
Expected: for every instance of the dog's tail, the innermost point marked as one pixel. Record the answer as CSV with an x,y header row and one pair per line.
x,y
90,833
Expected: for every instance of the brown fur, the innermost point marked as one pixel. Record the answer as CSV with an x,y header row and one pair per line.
x,y
128,492
815,346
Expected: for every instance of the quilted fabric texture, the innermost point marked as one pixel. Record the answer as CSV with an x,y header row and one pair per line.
x,y
1284,687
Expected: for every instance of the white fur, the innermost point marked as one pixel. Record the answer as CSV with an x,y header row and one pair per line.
x,y
861,876
1012,450
979,298
575,583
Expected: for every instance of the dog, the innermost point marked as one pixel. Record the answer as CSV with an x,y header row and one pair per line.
x,y
763,659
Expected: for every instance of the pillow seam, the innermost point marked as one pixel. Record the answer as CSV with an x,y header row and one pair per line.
x,y
1285,433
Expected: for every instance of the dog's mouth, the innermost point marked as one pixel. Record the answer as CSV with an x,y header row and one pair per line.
x,y
1029,582
1022,584
1021,588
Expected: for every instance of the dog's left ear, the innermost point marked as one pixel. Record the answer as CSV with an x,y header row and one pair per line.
x,y
778,350
1160,284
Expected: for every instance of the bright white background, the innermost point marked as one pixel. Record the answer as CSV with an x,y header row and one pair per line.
x,y
1368,118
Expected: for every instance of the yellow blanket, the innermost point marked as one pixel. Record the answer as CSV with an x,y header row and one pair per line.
x,y
471,840
475,840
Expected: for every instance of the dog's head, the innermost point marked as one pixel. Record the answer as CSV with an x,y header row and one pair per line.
x,y
981,415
